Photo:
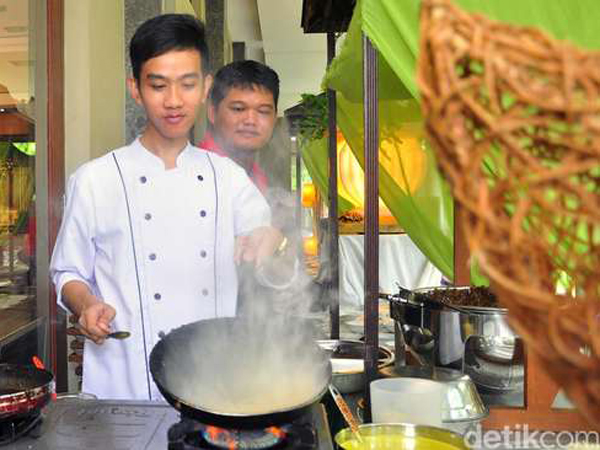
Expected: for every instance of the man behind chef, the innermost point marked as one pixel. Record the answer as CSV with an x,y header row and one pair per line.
x,y
242,113
147,239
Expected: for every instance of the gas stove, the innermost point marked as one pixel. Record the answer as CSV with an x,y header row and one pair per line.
x,y
74,424
189,434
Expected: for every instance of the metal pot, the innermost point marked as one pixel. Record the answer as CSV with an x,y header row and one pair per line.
x,y
23,390
475,340
221,356
347,361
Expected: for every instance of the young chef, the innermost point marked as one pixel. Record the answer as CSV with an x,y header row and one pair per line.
x,y
147,241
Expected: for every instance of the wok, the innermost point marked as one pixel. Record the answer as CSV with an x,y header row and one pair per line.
x,y
23,390
347,361
240,373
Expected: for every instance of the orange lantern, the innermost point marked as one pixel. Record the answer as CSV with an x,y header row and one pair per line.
x,y
400,154
309,195
311,246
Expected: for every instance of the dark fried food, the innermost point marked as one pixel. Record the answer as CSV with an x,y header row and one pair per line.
x,y
475,296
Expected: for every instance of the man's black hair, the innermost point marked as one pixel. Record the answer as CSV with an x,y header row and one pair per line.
x,y
246,74
166,33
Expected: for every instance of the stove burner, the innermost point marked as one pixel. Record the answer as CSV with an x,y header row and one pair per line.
x,y
243,439
13,429
190,434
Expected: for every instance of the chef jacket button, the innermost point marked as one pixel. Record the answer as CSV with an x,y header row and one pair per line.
x,y
143,179
147,216
202,213
157,296
161,334
203,254
200,177
205,292
152,256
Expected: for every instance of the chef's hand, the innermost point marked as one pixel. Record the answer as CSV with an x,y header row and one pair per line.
x,y
260,245
94,315
95,320
240,246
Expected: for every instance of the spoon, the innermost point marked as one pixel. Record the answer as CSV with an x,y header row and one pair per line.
x,y
119,335
348,416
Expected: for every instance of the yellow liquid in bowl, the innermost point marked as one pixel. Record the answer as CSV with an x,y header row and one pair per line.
x,y
396,442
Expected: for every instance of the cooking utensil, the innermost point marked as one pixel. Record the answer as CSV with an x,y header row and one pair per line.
x,y
462,407
459,338
399,436
407,400
343,407
212,369
78,331
347,362
23,390
118,335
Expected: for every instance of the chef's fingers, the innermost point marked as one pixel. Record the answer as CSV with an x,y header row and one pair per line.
x,y
95,320
248,252
241,242
96,339
264,242
106,316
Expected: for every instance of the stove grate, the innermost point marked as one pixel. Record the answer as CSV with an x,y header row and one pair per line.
x,y
189,434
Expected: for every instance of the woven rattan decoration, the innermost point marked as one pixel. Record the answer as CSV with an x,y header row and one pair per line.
x,y
514,119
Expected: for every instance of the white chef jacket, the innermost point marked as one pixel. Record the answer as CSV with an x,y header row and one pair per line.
x,y
158,246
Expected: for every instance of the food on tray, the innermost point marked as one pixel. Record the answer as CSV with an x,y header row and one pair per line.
x,y
474,296
353,215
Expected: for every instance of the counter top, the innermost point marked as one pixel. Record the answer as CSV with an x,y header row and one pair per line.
x,y
73,424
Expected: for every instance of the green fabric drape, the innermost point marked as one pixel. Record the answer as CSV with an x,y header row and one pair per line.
x,y
393,28
421,201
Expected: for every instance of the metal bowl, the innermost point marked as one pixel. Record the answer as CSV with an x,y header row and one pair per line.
x,y
347,363
398,436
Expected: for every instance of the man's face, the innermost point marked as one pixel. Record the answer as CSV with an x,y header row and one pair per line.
x,y
171,89
244,120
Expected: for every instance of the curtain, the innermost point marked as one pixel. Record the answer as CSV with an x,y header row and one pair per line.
x,y
416,194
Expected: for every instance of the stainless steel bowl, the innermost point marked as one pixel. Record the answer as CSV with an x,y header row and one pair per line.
x,y
347,363
397,436
475,340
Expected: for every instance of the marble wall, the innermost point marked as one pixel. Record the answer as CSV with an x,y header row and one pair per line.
x,y
136,12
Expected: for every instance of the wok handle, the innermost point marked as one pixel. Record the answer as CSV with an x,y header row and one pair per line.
x,y
398,298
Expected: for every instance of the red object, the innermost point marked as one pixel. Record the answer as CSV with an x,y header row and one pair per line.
x,y
257,175
31,235
37,362
31,389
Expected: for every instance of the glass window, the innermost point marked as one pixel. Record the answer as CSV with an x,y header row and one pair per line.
x,y
20,327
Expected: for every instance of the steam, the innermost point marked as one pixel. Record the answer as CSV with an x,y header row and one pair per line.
x,y
253,364
266,359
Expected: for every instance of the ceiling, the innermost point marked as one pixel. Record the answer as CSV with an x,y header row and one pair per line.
x,y
273,28
270,29
14,49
